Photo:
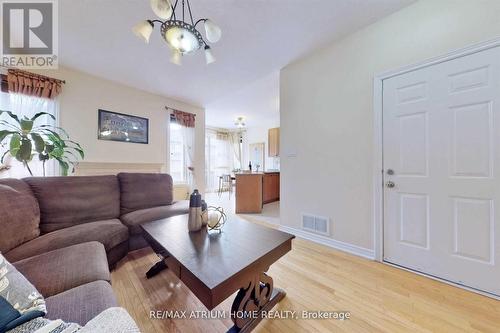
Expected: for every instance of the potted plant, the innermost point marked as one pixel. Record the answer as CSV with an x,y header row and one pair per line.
x,y
29,140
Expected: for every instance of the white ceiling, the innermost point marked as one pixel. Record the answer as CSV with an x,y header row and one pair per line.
x,y
258,102
259,37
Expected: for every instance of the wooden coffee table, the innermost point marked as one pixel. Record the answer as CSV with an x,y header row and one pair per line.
x,y
214,265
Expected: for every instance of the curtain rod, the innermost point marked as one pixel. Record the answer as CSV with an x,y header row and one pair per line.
x,y
34,75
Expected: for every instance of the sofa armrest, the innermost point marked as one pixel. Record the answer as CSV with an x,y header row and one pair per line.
x,y
112,320
59,270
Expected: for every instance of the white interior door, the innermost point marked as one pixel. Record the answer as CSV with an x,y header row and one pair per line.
x,y
441,146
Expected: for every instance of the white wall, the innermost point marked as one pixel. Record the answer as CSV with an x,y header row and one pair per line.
x,y
326,108
84,94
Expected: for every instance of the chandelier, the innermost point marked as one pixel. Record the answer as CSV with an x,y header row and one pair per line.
x,y
240,122
180,33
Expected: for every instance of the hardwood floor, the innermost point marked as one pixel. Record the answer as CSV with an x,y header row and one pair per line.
x,y
379,297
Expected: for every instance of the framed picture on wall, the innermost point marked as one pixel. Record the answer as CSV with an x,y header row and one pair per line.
x,y
114,126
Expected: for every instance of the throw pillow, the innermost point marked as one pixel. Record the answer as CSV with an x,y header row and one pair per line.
x,y
20,302
112,320
42,325
18,291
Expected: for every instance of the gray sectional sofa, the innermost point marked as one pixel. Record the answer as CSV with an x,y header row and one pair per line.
x,y
63,233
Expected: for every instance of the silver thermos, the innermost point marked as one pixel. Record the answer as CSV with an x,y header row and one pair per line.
x,y
194,221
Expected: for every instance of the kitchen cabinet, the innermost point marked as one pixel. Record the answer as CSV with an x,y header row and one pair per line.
x,y
273,142
256,189
249,193
270,187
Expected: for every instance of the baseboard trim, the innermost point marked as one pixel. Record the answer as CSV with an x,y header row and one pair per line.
x,y
336,244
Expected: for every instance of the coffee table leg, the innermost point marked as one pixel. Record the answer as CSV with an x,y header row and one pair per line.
x,y
257,297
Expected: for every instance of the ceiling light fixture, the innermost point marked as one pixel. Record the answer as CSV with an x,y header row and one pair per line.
x,y
240,122
180,34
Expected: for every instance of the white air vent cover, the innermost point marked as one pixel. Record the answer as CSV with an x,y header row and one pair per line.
x,y
316,224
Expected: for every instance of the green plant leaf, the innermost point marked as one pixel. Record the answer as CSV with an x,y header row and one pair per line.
x,y
46,127
64,166
9,125
57,152
48,142
12,115
39,143
26,125
39,114
4,134
49,148
70,153
78,150
43,157
24,152
55,138
81,152
77,147
26,165
75,143
3,156
15,144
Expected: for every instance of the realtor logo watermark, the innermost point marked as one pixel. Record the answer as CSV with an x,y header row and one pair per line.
x,y
29,34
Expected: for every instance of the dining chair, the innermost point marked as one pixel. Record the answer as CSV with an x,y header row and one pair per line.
x,y
226,184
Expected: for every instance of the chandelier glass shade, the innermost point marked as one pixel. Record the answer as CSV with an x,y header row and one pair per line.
x,y
143,30
162,8
180,33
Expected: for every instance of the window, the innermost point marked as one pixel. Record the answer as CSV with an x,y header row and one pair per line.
x,y
23,105
218,158
182,147
178,165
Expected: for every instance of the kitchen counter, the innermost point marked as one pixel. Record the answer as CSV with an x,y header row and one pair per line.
x,y
255,189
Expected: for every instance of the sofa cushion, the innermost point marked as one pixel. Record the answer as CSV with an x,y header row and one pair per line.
x,y
19,214
62,269
134,219
108,232
81,304
144,190
68,201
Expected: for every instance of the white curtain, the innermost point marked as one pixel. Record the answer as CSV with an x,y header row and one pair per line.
x,y
189,146
235,138
218,157
23,105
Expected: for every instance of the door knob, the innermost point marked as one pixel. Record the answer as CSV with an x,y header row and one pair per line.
x,y
390,172
390,184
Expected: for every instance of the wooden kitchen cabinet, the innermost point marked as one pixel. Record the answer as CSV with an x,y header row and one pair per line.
x,y
255,189
274,142
249,193
270,187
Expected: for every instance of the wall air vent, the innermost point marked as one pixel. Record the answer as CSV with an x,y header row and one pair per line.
x,y
316,224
